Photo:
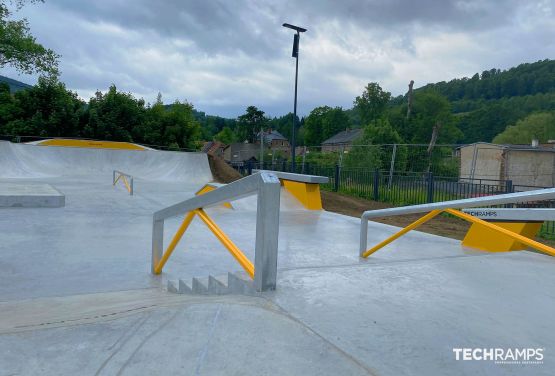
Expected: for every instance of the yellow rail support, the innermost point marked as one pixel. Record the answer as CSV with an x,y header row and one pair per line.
x,y
397,235
527,241
217,231
231,247
176,238
523,239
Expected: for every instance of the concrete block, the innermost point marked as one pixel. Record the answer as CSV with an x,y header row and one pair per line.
x,y
184,288
217,286
200,286
172,287
241,284
30,196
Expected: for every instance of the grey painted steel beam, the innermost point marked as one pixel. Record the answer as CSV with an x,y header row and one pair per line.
x,y
509,198
267,231
312,179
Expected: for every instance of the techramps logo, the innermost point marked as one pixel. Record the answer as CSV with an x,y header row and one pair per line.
x,y
519,356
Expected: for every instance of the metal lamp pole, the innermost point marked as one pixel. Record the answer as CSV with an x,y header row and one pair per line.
x,y
295,54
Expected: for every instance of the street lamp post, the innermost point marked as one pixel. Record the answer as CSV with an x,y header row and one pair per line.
x,y
295,54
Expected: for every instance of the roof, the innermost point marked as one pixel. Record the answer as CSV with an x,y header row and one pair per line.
x,y
241,151
271,136
345,137
511,147
212,146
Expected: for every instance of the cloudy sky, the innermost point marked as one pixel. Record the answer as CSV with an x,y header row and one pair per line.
x,y
223,55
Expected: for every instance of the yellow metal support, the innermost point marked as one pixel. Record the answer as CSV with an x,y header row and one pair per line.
x,y
231,247
176,238
489,240
523,239
307,193
410,227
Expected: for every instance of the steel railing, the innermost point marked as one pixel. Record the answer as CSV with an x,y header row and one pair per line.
x,y
126,178
267,186
437,208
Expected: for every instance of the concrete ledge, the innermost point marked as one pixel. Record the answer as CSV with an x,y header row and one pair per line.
x,y
30,196
311,179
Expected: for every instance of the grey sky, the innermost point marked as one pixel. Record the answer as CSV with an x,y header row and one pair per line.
x,y
225,55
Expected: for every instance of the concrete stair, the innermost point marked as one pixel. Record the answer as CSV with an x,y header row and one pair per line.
x,y
233,283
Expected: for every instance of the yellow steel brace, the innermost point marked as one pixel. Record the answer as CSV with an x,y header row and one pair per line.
x,y
222,237
124,182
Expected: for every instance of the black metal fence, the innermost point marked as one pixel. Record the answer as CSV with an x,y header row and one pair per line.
x,y
403,188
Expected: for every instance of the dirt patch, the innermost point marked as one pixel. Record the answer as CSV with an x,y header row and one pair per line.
x,y
441,225
221,171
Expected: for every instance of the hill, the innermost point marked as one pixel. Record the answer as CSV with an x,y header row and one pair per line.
x,y
13,84
488,102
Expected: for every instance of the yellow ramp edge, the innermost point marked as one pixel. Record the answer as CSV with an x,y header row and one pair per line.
x,y
91,144
481,237
307,193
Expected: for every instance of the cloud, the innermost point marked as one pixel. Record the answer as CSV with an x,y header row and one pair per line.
x,y
225,55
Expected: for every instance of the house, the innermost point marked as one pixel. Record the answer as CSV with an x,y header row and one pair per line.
x,y
275,141
341,141
214,148
525,165
238,153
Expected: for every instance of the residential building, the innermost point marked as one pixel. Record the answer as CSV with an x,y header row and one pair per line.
x,y
342,141
524,165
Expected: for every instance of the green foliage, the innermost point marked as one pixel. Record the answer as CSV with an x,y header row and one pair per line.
x,y
540,126
19,49
373,149
226,136
250,123
372,103
47,109
324,122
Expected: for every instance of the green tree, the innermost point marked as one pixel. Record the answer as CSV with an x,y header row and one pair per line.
x,y
113,116
250,123
324,122
430,110
180,128
47,109
226,136
19,49
540,126
371,105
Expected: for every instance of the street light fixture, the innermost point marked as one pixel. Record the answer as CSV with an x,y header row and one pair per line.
x,y
295,54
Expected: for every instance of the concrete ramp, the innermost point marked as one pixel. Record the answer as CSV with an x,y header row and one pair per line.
x,y
34,161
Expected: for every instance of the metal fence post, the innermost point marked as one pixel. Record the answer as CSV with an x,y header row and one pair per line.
x,y
249,167
336,180
376,185
430,187
283,165
509,189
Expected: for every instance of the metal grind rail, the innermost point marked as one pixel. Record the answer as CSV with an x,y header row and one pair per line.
x,y
125,178
264,184
450,207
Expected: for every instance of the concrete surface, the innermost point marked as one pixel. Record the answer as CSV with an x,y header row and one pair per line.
x,y
30,196
77,297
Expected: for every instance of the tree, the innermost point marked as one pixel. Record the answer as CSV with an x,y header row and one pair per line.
x,y
540,126
47,109
180,128
19,49
372,103
113,116
250,123
226,136
324,122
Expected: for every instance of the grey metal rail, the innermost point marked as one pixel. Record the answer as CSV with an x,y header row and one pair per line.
x,y
267,186
509,198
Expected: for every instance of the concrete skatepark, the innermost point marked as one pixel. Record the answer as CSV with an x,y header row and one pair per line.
x,y
77,295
